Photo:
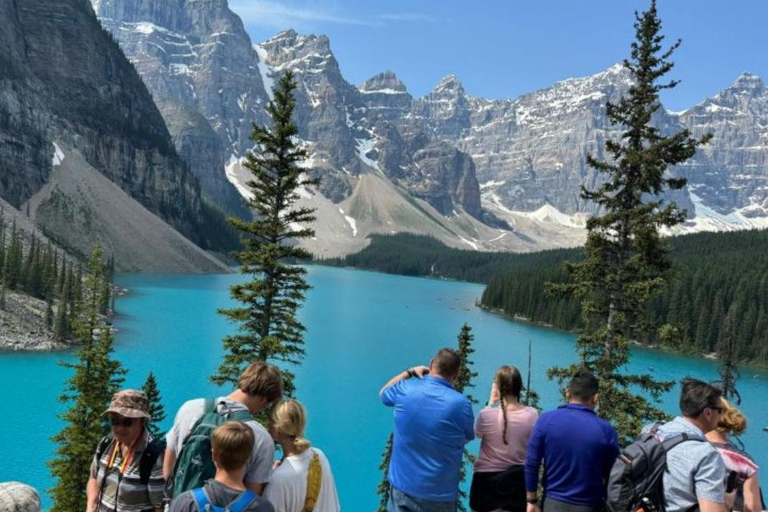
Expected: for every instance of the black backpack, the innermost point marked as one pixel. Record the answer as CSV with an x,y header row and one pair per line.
x,y
636,480
154,449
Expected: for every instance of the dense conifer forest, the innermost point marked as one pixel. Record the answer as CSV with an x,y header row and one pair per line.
x,y
719,290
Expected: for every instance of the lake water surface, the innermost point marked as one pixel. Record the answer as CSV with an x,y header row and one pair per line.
x,y
362,328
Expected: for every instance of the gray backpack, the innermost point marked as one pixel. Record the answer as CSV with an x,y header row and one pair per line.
x,y
636,481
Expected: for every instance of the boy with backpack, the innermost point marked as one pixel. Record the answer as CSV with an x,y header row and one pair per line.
x,y
188,463
672,467
231,443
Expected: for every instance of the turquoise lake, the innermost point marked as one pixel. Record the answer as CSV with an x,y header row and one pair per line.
x,y
362,328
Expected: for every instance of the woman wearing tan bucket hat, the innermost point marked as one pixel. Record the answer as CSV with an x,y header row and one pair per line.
x,y
127,469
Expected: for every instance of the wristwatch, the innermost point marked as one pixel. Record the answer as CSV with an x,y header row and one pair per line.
x,y
532,501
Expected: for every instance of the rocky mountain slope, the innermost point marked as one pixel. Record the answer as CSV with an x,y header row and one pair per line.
x,y
513,166
63,78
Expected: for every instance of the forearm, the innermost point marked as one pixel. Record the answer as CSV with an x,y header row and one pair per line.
x,y
92,494
169,461
394,380
416,371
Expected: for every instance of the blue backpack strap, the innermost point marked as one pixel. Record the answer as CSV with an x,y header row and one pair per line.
x,y
242,501
201,498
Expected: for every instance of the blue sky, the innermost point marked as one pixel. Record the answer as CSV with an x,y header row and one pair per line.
x,y
504,48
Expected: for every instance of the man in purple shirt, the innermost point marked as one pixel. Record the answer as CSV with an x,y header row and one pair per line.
x,y
578,450
433,421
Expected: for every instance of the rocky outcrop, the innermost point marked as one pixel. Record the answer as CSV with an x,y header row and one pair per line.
x,y
18,497
72,83
445,177
731,172
386,96
195,57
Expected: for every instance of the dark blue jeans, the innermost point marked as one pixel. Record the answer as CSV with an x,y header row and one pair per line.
x,y
401,502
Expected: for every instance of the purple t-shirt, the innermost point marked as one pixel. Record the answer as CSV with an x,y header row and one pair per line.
x,y
489,427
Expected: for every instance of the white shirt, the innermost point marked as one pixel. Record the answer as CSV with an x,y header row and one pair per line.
x,y
287,489
259,463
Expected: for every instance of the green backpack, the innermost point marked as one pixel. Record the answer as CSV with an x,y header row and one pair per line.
x,y
194,466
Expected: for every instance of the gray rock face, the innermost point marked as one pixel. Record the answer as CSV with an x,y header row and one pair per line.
x,y
386,96
17,497
445,110
731,172
325,105
196,55
72,83
445,177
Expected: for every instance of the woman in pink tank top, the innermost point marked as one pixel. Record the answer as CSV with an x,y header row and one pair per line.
x,y
503,428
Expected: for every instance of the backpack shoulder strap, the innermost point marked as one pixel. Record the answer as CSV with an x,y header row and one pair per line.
x,y
240,415
241,502
148,459
314,480
676,439
201,498
103,445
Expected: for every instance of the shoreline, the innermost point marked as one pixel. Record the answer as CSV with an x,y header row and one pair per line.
x,y
710,356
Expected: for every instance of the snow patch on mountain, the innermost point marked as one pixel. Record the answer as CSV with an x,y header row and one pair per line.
x,y
265,71
237,175
58,155
352,223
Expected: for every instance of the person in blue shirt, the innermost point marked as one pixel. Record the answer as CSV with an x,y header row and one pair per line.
x,y
578,449
433,421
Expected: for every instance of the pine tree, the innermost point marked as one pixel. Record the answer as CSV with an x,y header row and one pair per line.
x,y
728,354
625,259
97,376
463,383
269,329
382,491
154,403
531,398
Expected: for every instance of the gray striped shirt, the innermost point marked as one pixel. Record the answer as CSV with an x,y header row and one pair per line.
x,y
125,492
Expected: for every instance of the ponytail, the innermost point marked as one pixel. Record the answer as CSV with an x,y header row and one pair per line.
x,y
504,415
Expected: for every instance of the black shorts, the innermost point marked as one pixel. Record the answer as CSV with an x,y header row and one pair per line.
x,y
503,490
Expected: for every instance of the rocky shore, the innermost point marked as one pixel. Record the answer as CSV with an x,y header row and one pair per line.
x,y
23,325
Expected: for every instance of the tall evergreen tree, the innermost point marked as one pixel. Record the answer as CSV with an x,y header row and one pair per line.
x,y
728,354
625,259
97,376
382,491
464,383
154,404
269,329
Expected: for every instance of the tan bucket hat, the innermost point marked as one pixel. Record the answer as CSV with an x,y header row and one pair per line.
x,y
129,403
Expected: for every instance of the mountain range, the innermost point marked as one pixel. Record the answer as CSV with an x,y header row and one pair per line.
x,y
161,100
476,173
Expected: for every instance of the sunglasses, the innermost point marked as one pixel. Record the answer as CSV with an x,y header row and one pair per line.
x,y
123,422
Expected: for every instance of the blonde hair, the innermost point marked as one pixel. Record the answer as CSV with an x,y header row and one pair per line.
x,y
233,442
289,418
261,379
731,420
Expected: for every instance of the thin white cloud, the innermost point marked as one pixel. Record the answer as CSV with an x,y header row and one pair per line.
x,y
408,17
268,13
280,16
